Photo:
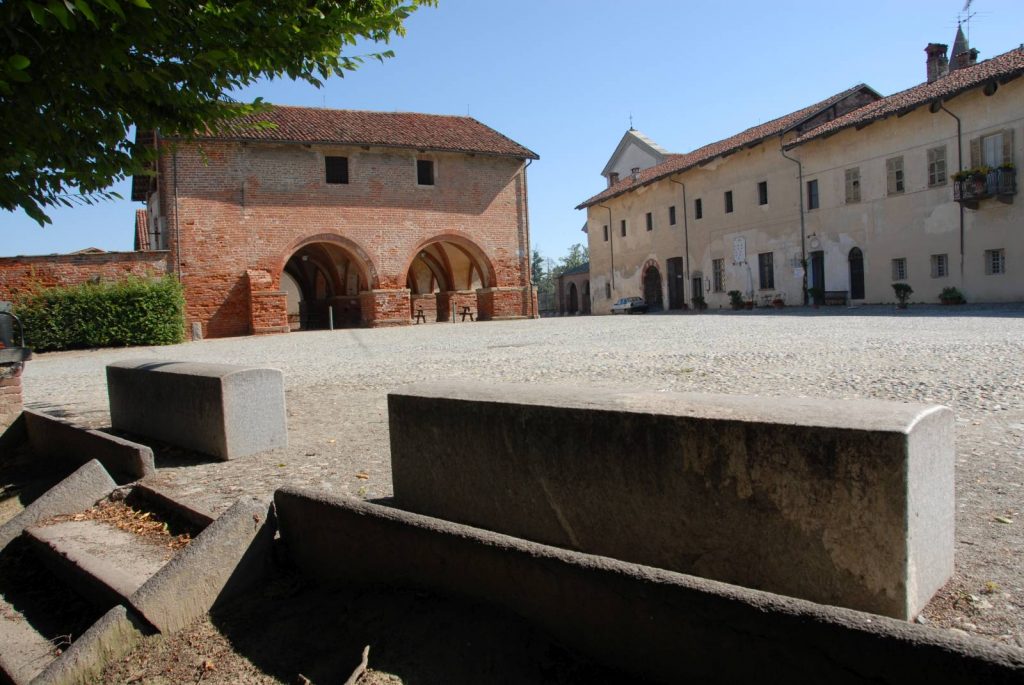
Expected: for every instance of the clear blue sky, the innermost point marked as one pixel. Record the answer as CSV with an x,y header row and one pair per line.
x,y
563,76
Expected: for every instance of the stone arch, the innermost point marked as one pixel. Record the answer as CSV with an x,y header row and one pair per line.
x,y
446,274
330,272
651,284
574,300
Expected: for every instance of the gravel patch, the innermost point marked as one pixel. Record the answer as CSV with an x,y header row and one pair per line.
x,y
969,358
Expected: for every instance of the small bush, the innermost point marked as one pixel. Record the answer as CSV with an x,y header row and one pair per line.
x,y
134,311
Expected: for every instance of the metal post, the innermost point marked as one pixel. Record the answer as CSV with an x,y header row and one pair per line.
x,y
330,317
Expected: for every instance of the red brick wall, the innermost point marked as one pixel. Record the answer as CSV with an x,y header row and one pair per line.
x,y
385,307
250,206
428,303
21,274
268,307
10,394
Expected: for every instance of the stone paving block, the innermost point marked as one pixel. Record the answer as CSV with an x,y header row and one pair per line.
x,y
847,503
57,438
221,410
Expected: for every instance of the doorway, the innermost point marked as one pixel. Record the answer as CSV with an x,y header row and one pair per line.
x,y
817,275
697,286
676,294
652,288
856,274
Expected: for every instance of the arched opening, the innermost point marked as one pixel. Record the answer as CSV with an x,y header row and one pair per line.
x,y
652,288
586,297
574,300
322,282
856,274
443,278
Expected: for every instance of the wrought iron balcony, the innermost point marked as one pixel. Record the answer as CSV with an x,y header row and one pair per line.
x,y
998,183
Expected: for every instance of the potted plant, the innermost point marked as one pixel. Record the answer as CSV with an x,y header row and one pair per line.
x,y
698,303
903,292
951,295
735,299
816,294
778,302
748,304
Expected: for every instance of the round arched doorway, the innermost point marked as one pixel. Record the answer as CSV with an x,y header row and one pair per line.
x,y
652,288
856,274
443,278
322,282
586,297
574,300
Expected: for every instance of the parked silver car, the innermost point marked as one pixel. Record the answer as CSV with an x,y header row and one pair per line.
x,y
629,305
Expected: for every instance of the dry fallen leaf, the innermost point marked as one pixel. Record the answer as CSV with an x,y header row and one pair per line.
x,y
362,475
1003,519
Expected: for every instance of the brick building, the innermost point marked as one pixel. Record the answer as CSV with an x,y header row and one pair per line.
x,y
359,217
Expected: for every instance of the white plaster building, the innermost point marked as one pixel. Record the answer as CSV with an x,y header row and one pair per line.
x,y
860,189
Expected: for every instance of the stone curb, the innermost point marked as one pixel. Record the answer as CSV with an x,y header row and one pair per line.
x,y
54,437
659,624
110,638
228,555
151,493
77,492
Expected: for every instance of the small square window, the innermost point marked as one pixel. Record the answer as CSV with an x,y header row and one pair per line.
x,y
650,221
899,269
995,262
728,202
672,215
698,209
762,193
622,228
940,265
424,172
336,170
812,194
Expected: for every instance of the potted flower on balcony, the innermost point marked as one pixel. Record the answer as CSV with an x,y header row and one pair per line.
x,y
951,295
903,292
735,299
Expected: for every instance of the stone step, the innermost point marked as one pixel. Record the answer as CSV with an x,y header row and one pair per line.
x,y
104,564
24,653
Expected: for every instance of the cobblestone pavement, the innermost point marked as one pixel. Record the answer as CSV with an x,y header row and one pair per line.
x,y
969,358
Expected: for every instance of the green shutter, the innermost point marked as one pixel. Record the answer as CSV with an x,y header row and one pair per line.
x,y
1007,145
975,152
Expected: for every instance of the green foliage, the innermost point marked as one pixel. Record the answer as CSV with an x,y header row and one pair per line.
x,y
579,255
952,295
735,299
134,311
75,75
903,292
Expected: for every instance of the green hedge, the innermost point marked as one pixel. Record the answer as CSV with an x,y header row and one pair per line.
x,y
134,311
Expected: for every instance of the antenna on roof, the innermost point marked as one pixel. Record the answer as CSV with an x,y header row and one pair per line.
x,y
965,17
631,122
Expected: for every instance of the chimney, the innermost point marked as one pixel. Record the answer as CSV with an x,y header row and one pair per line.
x,y
613,178
636,174
968,58
938,65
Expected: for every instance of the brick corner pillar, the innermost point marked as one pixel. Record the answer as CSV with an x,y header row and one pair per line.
x,y
385,307
268,308
504,303
11,399
533,304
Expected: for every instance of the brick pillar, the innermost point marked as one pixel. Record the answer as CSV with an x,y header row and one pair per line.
x,y
385,307
268,308
506,303
11,399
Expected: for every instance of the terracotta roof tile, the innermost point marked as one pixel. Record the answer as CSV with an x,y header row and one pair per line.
x,y
142,230
385,129
1006,66
677,163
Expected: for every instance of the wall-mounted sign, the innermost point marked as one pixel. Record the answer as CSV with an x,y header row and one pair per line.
x,y
739,250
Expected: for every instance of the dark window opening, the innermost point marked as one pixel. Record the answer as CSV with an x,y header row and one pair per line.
x,y
728,202
650,221
424,172
698,209
337,169
606,233
812,194
766,270
623,228
672,216
762,193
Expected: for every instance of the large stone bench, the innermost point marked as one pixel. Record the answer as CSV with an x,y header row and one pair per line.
x,y
221,410
848,503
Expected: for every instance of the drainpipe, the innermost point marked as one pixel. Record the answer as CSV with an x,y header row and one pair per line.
x,y
526,240
935,107
177,229
803,239
611,242
686,237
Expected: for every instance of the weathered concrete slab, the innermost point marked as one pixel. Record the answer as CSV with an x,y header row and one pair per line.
x,y
57,438
107,565
155,495
77,492
110,638
662,625
24,653
221,410
843,503
230,553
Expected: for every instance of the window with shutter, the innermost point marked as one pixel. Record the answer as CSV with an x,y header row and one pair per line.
x,y
937,166
853,185
894,175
